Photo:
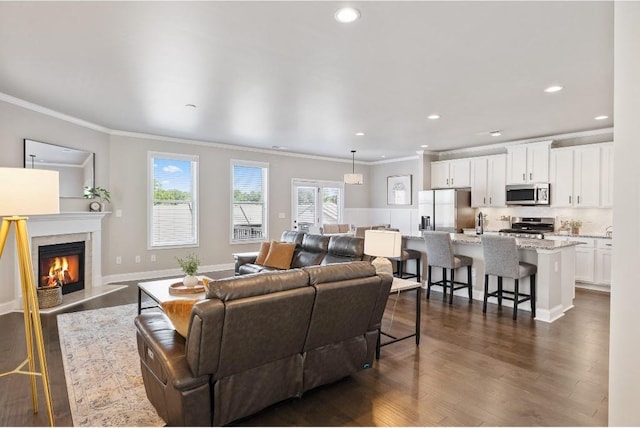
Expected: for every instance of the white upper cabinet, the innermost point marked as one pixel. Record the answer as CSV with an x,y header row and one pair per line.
x,y
606,175
453,173
576,176
528,163
488,178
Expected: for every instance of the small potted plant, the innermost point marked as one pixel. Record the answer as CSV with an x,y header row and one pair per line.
x,y
189,265
575,226
97,192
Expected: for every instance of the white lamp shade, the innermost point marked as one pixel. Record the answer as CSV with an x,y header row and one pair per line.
x,y
382,243
353,179
28,192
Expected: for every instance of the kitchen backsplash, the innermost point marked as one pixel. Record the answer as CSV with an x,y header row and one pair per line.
x,y
594,221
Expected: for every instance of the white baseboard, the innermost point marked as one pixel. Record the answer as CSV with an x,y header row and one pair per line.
x,y
137,276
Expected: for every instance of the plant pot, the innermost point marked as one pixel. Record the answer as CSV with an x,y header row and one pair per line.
x,y
575,230
190,281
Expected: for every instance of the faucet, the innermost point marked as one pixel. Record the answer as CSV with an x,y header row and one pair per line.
x,y
609,232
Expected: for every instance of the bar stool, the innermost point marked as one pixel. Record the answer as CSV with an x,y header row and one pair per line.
x,y
400,264
501,260
440,254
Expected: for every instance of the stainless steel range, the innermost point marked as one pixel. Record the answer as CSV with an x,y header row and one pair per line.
x,y
529,227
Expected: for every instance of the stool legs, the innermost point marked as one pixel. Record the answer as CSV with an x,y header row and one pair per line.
x,y
428,281
533,295
444,285
486,293
453,276
517,297
469,282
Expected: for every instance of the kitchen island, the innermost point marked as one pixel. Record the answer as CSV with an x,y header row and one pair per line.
x,y
555,279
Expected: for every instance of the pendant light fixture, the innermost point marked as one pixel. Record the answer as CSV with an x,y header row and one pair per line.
x,y
353,178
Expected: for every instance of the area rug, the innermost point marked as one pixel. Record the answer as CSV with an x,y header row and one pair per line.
x,y
102,368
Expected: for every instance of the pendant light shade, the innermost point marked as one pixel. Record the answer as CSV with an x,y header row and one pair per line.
x,y
353,178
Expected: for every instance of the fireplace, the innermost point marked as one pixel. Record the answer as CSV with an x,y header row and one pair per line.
x,y
62,264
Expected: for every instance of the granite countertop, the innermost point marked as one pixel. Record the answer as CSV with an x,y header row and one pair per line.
x,y
523,243
581,235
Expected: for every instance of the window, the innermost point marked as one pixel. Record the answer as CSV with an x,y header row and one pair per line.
x,y
173,200
248,201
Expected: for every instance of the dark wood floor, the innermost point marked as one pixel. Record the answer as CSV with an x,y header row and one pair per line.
x,y
469,370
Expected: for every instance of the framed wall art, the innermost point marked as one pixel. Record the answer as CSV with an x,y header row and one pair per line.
x,y
399,190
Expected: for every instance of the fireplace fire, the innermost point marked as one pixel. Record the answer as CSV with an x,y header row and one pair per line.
x,y
63,265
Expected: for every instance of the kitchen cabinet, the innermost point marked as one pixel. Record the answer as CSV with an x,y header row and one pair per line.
x,y
576,176
488,180
585,261
453,173
528,163
593,259
604,250
606,175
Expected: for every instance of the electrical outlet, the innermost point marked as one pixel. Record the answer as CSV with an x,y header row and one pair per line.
x,y
137,259
118,260
153,257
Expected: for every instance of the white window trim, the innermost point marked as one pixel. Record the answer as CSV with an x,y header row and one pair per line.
x,y
196,203
266,180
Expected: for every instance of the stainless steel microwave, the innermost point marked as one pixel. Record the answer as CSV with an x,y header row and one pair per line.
x,y
528,194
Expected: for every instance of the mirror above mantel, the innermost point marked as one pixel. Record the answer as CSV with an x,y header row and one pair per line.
x,y
76,167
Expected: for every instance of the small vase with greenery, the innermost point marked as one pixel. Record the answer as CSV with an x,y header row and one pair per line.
x,y
100,193
575,226
189,265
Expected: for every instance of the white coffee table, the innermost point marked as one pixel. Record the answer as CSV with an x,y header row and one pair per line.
x,y
158,291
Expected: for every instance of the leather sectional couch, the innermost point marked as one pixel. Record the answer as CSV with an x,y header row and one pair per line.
x,y
311,250
260,339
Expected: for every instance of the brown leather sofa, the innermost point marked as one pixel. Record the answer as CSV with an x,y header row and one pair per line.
x,y
260,339
311,250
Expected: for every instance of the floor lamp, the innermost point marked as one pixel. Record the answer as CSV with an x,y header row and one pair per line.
x,y
28,192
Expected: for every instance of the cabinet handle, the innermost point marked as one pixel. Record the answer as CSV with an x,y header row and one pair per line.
x,y
608,245
530,176
484,200
447,181
452,181
524,177
489,199
578,199
569,198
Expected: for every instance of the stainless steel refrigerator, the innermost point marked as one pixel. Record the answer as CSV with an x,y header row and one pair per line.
x,y
448,210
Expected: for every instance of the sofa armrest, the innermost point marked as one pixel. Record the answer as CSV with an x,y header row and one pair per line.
x,y
162,349
244,258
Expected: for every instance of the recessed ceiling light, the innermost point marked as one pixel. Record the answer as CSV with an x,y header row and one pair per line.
x,y
433,116
424,146
554,88
190,105
347,15
359,134
603,117
383,156
495,133
278,147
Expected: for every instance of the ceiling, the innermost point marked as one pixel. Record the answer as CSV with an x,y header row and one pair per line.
x,y
264,74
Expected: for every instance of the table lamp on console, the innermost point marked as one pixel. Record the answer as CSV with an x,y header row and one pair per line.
x,y
26,192
382,244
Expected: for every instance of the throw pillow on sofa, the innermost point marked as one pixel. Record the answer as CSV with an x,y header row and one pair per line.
x,y
264,251
179,313
280,255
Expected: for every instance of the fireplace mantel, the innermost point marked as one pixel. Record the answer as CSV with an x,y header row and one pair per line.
x,y
42,227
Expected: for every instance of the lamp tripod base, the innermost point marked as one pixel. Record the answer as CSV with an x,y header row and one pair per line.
x,y
32,322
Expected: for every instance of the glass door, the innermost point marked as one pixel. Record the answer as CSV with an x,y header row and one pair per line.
x,y
316,203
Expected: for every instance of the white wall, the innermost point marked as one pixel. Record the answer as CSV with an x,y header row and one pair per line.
x,y
624,350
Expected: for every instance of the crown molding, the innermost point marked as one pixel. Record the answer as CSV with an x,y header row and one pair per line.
x,y
49,112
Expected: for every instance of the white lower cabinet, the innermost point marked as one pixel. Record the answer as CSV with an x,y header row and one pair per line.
x,y
604,251
593,259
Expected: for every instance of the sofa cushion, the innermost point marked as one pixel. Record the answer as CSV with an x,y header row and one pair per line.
x,y
280,255
344,248
240,287
312,251
264,251
179,313
292,236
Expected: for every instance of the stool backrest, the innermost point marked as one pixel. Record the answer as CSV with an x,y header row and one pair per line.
x,y
439,249
500,255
